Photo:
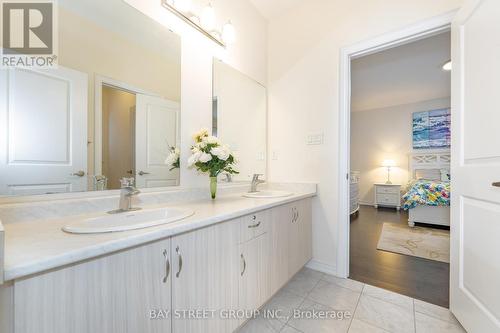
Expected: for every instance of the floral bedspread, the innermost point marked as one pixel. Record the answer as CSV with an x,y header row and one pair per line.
x,y
427,192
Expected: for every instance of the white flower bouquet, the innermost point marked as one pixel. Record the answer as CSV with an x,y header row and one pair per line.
x,y
210,156
173,158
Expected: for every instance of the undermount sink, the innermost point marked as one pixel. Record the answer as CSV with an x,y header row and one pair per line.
x,y
268,194
128,221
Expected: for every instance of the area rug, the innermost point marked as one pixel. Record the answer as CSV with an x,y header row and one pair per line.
x,y
428,243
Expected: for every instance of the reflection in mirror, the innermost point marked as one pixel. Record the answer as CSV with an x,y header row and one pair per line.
x,y
239,118
111,109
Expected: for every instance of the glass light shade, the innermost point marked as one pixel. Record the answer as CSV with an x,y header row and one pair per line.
x,y
208,17
388,163
447,66
183,5
228,33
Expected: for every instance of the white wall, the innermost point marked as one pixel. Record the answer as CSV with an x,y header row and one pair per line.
x,y
304,46
382,134
248,55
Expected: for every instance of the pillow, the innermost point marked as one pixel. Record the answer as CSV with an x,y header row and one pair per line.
x,y
428,174
445,175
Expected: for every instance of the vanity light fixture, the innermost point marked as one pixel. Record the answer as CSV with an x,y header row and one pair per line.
x,y
183,5
208,17
447,66
205,23
228,33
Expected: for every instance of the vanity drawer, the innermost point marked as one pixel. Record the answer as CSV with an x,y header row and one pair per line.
x,y
389,199
254,225
387,189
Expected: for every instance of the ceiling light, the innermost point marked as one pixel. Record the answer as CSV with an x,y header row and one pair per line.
x,y
228,33
447,66
208,17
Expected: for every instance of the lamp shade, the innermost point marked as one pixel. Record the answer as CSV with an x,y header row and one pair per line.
x,y
388,163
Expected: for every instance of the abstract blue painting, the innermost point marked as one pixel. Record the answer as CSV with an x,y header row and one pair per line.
x,y
431,129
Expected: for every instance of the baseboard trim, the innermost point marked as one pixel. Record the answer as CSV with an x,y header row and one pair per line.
x,y
321,267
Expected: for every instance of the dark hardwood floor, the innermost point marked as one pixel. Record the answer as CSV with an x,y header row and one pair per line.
x,y
419,278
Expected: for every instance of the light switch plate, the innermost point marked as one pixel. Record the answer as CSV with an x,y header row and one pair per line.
x,y
315,139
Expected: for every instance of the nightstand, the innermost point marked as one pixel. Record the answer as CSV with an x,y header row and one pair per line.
x,y
388,195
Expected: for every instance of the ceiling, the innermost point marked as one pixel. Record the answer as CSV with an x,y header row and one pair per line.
x,y
402,75
272,8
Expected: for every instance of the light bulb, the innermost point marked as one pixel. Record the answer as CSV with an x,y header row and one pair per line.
x,y
228,33
447,66
208,17
183,5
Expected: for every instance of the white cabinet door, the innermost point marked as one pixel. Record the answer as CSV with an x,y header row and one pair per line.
x,y
113,294
254,284
156,130
205,266
475,208
294,255
43,131
305,231
279,253
299,234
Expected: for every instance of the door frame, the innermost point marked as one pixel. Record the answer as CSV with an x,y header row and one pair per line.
x,y
99,82
420,30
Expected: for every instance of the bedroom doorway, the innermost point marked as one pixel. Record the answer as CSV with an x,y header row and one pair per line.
x,y
399,168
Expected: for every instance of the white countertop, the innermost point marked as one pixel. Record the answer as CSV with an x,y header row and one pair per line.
x,y
36,246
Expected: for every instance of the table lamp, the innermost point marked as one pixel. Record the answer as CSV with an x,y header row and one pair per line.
x,y
388,164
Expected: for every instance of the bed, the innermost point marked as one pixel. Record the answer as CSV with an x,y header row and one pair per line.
x,y
427,196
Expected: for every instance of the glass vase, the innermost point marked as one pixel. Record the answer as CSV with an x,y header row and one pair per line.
x,y
213,187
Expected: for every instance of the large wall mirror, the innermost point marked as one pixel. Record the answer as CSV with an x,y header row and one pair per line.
x,y
110,110
239,118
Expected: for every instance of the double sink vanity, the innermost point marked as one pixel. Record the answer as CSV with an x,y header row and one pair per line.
x,y
81,251
196,274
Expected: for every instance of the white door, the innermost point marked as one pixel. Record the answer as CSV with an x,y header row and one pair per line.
x,y
43,131
475,210
156,129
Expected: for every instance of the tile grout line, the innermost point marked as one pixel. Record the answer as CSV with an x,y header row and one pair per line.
x,y
414,316
375,325
356,308
387,301
303,301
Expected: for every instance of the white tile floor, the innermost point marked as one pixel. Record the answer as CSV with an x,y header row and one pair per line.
x,y
372,309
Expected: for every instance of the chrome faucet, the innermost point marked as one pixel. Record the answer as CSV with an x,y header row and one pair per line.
x,y
229,178
126,193
255,181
